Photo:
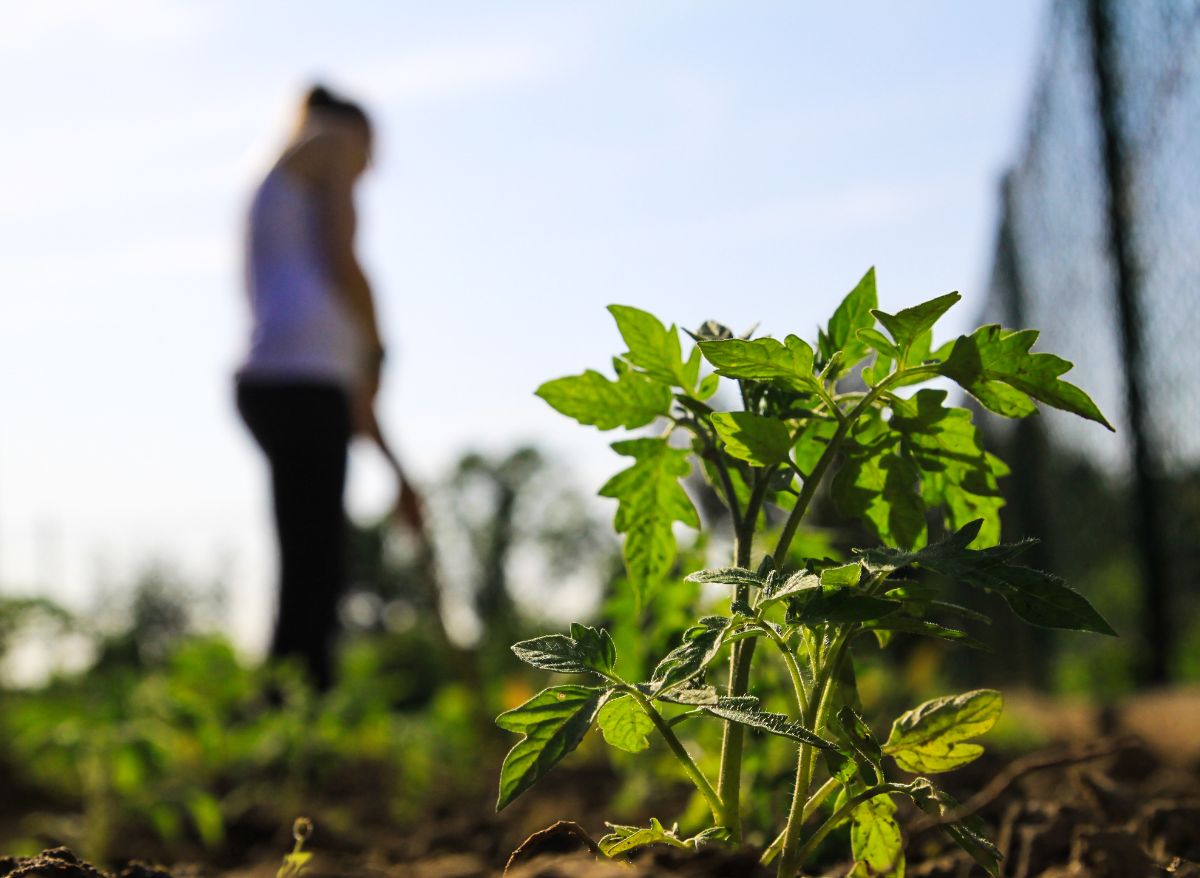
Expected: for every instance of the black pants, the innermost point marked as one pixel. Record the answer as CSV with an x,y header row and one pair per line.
x,y
304,429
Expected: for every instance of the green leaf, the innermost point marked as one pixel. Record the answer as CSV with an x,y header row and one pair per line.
x,y
996,367
294,864
596,646
708,386
875,840
948,555
1043,599
967,833
700,646
838,604
1038,598
795,584
774,723
653,347
788,364
553,723
587,650
632,401
956,472
851,316
625,725
205,811
879,369
907,326
876,340
932,738
812,442
908,625
756,439
878,484
843,575
623,839
650,501
864,750
726,576
705,696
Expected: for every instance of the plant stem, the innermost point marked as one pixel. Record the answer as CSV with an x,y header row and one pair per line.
x,y
828,400
735,508
689,765
793,668
702,431
745,528
791,860
814,802
845,423
729,781
840,814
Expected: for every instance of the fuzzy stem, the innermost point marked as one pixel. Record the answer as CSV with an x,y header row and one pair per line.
x,y
729,781
791,860
793,668
838,816
814,480
701,430
689,765
814,802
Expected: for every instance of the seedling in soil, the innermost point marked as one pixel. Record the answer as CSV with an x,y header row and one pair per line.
x,y
840,414
295,862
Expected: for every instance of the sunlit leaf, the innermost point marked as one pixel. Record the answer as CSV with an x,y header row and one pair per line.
x,y
851,316
788,363
587,650
727,576
996,367
553,723
878,484
756,439
650,500
875,840
624,724
654,347
934,737
906,327
633,400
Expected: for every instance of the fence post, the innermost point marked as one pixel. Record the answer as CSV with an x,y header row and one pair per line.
x,y
1032,500
1147,512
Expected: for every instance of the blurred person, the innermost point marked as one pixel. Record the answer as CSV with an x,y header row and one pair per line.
x,y
310,378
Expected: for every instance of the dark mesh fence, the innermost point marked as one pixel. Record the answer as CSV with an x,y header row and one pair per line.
x,y
1099,247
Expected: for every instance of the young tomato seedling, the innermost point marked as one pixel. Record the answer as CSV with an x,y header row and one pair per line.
x,y
889,456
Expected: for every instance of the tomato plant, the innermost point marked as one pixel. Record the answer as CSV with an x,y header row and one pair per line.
x,y
836,414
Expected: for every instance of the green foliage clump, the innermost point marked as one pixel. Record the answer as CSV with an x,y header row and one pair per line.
x,y
164,761
833,416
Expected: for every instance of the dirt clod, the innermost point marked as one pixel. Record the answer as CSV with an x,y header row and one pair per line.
x,y
52,863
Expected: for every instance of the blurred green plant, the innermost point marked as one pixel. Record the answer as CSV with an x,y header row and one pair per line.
x,y
179,752
888,459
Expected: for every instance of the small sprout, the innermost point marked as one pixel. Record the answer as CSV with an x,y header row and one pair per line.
x,y
301,830
294,863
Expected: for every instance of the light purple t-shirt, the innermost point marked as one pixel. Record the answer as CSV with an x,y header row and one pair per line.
x,y
303,329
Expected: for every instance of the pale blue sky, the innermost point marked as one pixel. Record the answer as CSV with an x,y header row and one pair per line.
x,y
537,161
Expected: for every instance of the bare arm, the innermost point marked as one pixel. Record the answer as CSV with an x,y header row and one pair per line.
x,y
409,505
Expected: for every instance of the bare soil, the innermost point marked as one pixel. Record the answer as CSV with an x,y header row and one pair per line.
x,y
1118,798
